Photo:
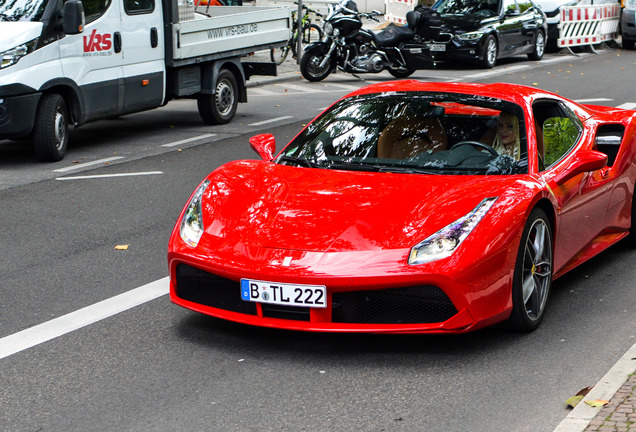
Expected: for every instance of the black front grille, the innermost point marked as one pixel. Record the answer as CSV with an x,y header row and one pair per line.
x,y
443,38
410,305
205,288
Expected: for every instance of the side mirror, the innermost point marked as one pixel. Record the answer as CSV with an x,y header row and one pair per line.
x,y
264,145
511,13
585,161
73,17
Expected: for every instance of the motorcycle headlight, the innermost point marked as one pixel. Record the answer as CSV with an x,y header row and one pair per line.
x,y
470,36
192,227
11,56
444,242
328,28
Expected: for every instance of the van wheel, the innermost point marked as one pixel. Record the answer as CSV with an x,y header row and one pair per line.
x,y
220,107
50,132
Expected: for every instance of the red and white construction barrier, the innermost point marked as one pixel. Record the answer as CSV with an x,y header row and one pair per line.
x,y
396,10
588,25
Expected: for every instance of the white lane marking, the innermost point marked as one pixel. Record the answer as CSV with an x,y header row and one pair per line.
x,y
302,88
89,177
54,328
187,140
628,106
583,414
270,121
497,71
87,164
592,100
342,86
261,92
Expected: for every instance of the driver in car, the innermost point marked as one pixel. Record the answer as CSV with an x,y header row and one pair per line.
x,y
506,139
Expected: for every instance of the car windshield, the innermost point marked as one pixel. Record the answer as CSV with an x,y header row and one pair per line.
x,y
415,132
22,10
468,7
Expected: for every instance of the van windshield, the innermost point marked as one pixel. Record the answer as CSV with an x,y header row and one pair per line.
x,y
22,10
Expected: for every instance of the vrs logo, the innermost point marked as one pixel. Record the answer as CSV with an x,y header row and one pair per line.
x,y
97,42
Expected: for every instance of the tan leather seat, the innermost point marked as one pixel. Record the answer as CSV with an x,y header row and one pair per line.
x,y
409,135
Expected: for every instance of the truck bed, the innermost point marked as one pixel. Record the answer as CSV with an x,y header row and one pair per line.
x,y
228,31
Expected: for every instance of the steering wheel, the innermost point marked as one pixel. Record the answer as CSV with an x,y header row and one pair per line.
x,y
481,145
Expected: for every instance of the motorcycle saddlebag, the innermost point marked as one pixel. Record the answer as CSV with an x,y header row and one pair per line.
x,y
429,23
417,56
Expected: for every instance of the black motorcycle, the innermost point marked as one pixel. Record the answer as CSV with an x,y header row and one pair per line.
x,y
350,48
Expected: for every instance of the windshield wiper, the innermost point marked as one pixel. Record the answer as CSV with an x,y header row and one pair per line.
x,y
410,169
299,161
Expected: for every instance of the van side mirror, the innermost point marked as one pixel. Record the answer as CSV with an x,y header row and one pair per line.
x,y
73,21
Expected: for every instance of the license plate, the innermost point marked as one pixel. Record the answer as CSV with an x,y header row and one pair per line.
x,y
437,47
284,294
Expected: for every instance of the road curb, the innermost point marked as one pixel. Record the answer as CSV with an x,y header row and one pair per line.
x,y
605,389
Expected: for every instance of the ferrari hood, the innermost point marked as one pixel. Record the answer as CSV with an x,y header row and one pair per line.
x,y
273,206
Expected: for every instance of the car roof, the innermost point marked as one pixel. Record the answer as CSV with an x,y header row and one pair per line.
x,y
511,92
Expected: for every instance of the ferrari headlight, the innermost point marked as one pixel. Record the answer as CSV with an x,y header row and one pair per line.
x,y
444,242
192,227
470,36
11,56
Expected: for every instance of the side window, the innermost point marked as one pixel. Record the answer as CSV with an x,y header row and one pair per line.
x,y
93,9
134,7
525,6
557,131
510,6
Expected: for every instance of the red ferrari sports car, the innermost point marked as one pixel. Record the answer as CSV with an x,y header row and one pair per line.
x,y
409,207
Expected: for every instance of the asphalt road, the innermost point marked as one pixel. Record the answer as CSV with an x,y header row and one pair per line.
x,y
160,367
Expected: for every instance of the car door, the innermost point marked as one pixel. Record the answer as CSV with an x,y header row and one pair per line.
x,y
509,28
529,18
93,62
142,45
583,199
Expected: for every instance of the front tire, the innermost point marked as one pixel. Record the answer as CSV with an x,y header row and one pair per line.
x,y
50,132
628,43
532,278
490,50
539,47
220,107
310,64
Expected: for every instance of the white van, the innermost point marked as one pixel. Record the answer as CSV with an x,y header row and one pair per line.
x,y
76,61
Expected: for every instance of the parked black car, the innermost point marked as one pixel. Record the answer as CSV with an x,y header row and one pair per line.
x,y
487,30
